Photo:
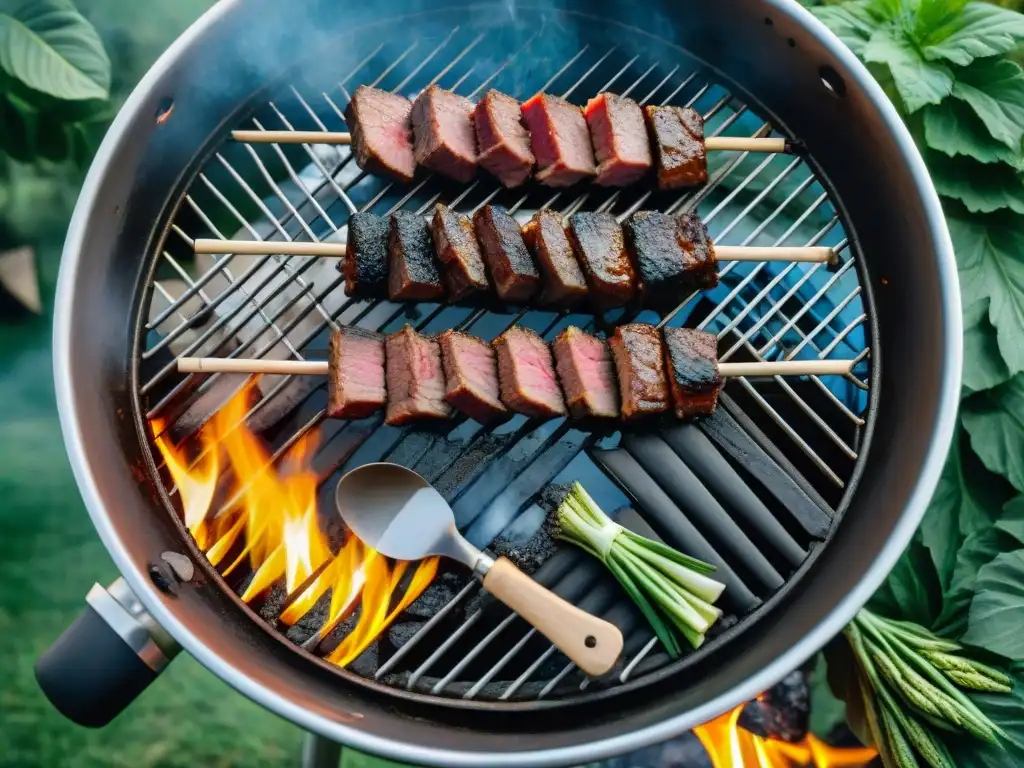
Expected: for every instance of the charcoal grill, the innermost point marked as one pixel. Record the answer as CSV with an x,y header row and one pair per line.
x,y
803,491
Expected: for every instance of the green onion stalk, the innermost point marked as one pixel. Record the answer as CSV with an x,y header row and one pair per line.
x,y
672,590
913,684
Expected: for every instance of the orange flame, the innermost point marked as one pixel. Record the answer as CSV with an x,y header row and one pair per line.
x,y
270,522
730,746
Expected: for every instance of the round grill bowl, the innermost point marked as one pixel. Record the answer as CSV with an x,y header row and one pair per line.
x,y
773,53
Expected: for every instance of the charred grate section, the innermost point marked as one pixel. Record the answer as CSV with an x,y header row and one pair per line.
x,y
753,489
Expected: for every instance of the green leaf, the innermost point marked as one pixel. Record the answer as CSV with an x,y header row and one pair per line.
x,y
1012,520
917,81
1005,711
933,19
954,129
990,255
52,48
979,30
994,89
984,366
827,711
995,421
997,611
912,591
982,188
851,22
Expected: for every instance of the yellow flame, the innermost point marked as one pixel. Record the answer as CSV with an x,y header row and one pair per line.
x,y
270,522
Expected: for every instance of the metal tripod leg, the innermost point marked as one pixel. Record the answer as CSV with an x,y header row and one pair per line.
x,y
318,752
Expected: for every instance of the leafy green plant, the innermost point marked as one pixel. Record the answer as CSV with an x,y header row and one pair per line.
x,y
950,67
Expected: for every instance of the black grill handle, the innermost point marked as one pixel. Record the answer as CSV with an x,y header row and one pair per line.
x,y
103,661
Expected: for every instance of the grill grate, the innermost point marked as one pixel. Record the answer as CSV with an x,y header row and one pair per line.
x,y
753,489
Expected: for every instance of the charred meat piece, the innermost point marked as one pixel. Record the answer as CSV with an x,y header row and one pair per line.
x,y
601,251
692,359
503,140
462,264
511,266
587,374
471,371
415,378
701,263
365,264
413,270
653,240
640,365
442,123
355,382
677,135
619,135
381,126
563,281
560,140
526,374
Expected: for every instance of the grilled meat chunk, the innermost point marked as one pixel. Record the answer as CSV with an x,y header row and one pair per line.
x,y
560,140
563,281
381,126
601,251
701,264
653,240
415,378
511,266
462,264
526,374
442,123
640,365
365,264
471,371
355,382
413,270
619,135
587,374
692,360
503,140
677,135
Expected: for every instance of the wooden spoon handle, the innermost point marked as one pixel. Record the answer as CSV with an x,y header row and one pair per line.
x,y
593,644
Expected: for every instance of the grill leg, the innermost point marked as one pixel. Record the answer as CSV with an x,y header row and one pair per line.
x,y
318,752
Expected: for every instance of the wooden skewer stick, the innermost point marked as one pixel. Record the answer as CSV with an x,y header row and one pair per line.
x,y
816,254
728,143
320,367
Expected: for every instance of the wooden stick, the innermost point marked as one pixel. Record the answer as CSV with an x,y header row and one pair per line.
x,y
292,137
337,250
745,144
320,367
727,143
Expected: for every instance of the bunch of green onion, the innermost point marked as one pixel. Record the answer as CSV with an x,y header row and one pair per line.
x,y
671,589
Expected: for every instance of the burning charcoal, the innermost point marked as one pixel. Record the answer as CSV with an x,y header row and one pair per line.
x,y
366,663
782,712
601,250
381,126
587,374
355,382
640,364
511,266
700,262
442,122
272,602
563,281
471,373
414,273
310,623
402,632
365,264
691,357
527,555
461,261
620,140
526,372
435,597
560,140
415,378
503,139
677,135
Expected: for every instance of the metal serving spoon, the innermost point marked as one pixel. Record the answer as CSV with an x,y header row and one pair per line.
x,y
402,516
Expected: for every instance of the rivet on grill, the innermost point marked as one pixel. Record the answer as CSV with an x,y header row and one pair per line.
x,y
163,578
832,81
180,564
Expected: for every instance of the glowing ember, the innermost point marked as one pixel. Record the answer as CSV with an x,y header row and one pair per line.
x,y
270,523
730,746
